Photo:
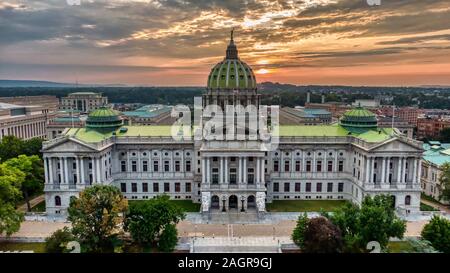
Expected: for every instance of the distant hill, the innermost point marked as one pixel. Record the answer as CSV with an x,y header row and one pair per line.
x,y
28,83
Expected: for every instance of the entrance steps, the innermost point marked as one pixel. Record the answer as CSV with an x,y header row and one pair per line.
x,y
236,245
233,217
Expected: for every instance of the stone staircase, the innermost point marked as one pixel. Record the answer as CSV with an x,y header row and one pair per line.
x,y
236,245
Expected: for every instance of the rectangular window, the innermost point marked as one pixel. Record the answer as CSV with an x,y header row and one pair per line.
x,y
341,165
166,166
123,165
275,166
155,166
297,166
90,166
144,166
308,165
297,187
123,187
308,187
319,187
74,165
215,176
133,187
188,187
286,166
276,187
232,176
188,166
133,166
177,187
155,187
319,166
250,176
340,187
166,187
287,187
177,166
330,166
144,187
330,187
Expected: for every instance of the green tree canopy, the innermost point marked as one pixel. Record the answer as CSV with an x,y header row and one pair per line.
x,y
11,180
57,242
445,182
97,217
33,168
168,238
147,219
375,220
437,232
12,147
298,234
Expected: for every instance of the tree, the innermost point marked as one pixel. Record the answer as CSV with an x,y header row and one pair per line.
x,y
322,236
33,168
437,232
10,147
97,217
32,147
57,242
168,238
298,234
147,219
445,182
375,220
11,180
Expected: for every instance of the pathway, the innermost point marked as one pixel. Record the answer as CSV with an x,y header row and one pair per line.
x,y
436,206
33,202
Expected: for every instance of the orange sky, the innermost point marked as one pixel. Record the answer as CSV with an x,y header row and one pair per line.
x,y
174,43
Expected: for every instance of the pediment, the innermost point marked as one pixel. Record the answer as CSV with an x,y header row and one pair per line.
x,y
69,145
396,145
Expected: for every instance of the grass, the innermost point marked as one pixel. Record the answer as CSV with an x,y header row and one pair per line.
x,y
425,207
39,207
429,198
187,205
400,247
10,246
304,205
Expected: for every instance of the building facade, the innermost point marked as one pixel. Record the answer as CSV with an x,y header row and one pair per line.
x,y
154,114
83,101
436,154
431,127
24,122
344,161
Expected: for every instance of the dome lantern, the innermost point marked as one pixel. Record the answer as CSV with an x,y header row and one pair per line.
x,y
104,118
359,118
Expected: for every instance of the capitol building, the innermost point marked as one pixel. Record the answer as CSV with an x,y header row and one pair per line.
x,y
345,161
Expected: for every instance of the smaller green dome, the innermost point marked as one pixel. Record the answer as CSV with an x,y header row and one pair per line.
x,y
360,118
104,118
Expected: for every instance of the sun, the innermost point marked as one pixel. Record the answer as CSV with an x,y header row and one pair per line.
x,y
262,71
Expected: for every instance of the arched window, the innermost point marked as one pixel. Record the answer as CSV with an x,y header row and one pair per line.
x,y
57,201
408,200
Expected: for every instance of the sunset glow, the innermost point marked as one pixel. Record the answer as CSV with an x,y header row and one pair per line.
x,y
136,42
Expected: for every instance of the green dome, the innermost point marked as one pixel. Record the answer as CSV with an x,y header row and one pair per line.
x,y
359,117
103,118
231,73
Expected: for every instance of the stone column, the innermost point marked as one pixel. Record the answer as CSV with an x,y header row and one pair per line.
x,y
367,170
263,172
82,171
94,175
50,169
208,170
77,170
335,169
99,180
388,169
258,170
372,169
139,169
240,171
383,170
404,169
414,171
161,163
204,170
226,171
292,167
182,162
399,170
66,171
61,170
245,169
46,170
128,162
221,171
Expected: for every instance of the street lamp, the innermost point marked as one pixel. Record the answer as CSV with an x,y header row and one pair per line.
x,y
243,200
224,199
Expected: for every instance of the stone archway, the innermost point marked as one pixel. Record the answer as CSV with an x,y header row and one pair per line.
x,y
233,202
215,202
251,202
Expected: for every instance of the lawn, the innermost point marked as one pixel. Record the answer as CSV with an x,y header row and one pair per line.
x,y
187,205
425,207
304,205
39,207
399,247
10,246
